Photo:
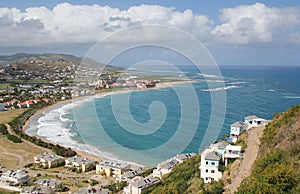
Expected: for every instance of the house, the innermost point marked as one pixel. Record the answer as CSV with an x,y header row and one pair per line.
x,y
232,152
139,185
219,147
93,190
254,121
128,175
18,177
236,128
167,166
81,164
209,167
10,103
112,168
164,168
47,160
26,104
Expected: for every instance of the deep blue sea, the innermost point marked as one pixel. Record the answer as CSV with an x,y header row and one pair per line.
x,y
147,127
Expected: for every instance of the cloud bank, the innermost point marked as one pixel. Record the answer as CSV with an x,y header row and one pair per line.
x,y
76,24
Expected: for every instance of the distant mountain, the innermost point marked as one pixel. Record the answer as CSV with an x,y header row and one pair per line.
x,y
9,59
26,58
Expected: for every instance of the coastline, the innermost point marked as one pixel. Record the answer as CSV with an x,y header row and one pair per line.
x,y
80,152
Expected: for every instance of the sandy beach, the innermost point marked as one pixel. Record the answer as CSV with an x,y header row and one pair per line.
x,y
61,103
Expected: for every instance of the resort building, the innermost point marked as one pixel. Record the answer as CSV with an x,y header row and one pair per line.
x,y
128,175
236,128
112,168
17,177
139,185
47,160
254,121
167,166
209,167
81,164
232,152
93,191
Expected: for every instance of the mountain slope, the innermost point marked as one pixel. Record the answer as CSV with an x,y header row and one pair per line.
x,y
277,170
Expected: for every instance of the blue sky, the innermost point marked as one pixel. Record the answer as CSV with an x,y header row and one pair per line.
x,y
235,32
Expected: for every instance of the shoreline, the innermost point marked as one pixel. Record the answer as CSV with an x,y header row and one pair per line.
x,y
39,113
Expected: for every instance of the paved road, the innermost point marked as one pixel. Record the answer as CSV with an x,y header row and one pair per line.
x,y
250,155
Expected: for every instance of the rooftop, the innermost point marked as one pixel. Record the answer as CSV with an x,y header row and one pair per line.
x,y
143,183
238,124
212,156
251,117
49,157
80,160
114,164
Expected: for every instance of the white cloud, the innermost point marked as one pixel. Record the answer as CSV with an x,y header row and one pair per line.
x,y
73,24
68,23
255,23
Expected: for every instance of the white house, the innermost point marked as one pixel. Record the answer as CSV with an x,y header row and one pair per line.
x,y
18,176
236,128
232,152
139,185
254,121
209,166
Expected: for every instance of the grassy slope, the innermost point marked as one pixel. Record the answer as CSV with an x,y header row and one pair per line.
x,y
277,170
7,116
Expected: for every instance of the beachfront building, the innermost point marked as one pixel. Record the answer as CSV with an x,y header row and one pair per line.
x,y
219,147
167,166
112,168
128,175
209,167
27,103
93,190
17,177
139,185
81,164
236,128
47,160
254,121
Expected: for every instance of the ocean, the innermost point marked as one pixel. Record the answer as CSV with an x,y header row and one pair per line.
x,y
149,126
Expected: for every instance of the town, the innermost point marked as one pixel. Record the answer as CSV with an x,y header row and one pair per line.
x,y
32,83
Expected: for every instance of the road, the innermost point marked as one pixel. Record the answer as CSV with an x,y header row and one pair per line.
x,y
250,156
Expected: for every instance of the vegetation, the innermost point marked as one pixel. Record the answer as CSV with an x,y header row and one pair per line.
x,y
17,124
116,187
277,170
147,172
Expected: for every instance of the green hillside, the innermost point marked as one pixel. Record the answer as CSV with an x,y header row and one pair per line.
x,y
277,170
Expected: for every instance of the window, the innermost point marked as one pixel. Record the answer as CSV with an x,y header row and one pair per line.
x,y
212,163
206,178
206,170
212,179
212,171
206,163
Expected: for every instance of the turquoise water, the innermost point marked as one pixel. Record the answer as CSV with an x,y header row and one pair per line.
x,y
139,131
